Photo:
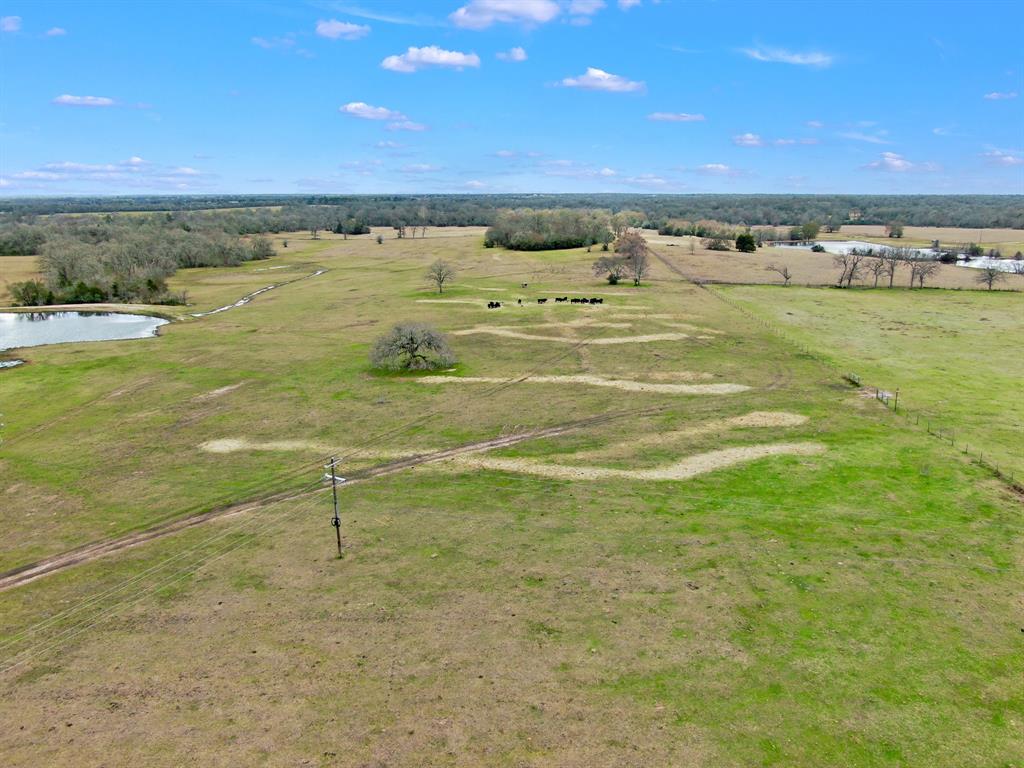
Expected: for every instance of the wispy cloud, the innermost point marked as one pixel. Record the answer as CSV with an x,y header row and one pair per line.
x,y
1002,157
341,30
269,43
364,111
1000,95
814,124
748,140
417,20
67,100
675,117
782,56
716,169
598,80
133,173
56,32
512,54
474,184
10,23
480,14
415,59
625,5
419,168
891,162
406,125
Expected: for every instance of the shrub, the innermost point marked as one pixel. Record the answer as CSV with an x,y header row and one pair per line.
x,y
818,248
31,293
745,243
412,346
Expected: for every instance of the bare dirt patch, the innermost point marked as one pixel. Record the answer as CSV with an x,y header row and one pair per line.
x,y
628,385
217,392
691,466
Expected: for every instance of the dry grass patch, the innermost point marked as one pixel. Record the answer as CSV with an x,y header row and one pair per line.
x,y
510,334
628,385
691,466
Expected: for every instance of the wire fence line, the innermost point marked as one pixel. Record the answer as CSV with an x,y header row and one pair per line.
x,y
890,399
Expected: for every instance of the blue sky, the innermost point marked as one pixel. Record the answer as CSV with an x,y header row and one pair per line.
x,y
511,96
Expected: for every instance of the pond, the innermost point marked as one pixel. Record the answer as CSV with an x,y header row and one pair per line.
x,y
845,246
33,329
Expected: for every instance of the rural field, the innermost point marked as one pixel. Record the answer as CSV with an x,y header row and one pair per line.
x,y
817,269
650,531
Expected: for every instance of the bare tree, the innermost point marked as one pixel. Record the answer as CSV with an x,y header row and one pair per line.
x,y
876,267
850,265
921,270
611,267
412,346
782,271
989,276
1017,266
632,249
892,257
439,273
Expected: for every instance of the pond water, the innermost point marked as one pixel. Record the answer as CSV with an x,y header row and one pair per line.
x,y
33,329
845,246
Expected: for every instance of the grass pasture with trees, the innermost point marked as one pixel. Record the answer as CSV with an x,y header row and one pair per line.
x,y
618,533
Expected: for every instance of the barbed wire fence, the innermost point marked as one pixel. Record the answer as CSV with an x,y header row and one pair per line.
x,y
890,399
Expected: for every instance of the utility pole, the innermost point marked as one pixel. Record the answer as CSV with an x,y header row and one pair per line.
x,y
336,520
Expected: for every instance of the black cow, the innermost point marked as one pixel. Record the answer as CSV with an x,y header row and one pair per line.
x,y
542,301
561,299
494,305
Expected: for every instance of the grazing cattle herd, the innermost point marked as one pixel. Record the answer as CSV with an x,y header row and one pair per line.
x,y
558,300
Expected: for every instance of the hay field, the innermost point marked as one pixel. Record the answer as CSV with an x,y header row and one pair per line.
x,y
808,268
582,574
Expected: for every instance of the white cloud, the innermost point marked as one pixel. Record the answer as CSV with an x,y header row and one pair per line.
x,y
1000,157
430,56
809,141
10,23
585,7
56,32
870,138
406,125
512,54
625,5
716,169
133,173
598,80
647,181
606,172
420,168
998,96
67,100
474,184
364,111
506,153
387,144
891,162
341,30
480,14
675,117
782,56
814,124
747,140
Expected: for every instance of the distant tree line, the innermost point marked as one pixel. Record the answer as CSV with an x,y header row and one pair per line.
x,y
537,230
126,259
248,214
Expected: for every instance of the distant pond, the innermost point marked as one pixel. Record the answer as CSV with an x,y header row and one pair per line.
x,y
34,329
